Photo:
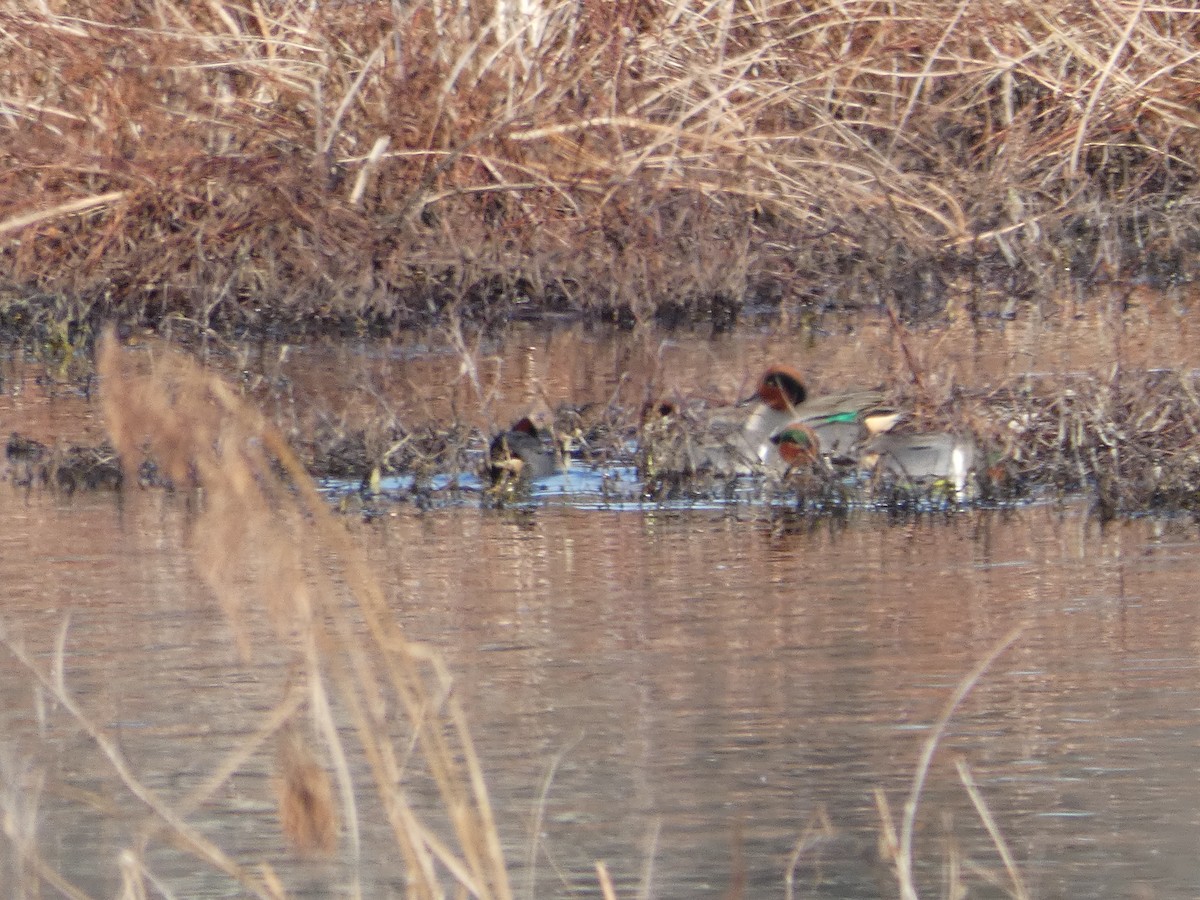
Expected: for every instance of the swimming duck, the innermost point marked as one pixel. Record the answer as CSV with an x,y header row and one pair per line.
x,y
524,452
798,446
937,456
839,421
665,441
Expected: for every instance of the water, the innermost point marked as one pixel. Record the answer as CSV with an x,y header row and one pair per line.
x,y
679,693
702,684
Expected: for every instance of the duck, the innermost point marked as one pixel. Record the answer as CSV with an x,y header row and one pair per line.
x,y
524,453
665,441
934,456
798,445
840,421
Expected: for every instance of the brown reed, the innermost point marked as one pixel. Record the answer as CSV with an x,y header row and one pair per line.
x,y
1129,438
263,539
371,164
307,811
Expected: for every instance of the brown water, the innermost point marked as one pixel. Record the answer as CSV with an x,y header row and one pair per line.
x,y
488,382
689,689
706,683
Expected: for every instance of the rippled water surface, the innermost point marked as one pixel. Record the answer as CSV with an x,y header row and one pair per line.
x,y
711,683
704,700
702,686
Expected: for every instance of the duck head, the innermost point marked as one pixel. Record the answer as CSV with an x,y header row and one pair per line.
x,y
780,388
798,445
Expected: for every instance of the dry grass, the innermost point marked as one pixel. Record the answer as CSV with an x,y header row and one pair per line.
x,y
1129,438
1133,438
897,846
372,163
266,543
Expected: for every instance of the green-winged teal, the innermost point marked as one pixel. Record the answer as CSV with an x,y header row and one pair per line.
x,y
840,421
936,456
524,452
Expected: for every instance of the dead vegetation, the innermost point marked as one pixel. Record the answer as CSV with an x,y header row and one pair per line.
x,y
1131,441
369,164
362,698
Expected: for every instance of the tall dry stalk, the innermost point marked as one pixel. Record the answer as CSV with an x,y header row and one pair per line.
x,y
898,847
263,536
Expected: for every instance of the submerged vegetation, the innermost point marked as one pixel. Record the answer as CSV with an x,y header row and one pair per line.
x,y
1125,435
366,165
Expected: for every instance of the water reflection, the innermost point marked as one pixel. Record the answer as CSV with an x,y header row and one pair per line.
x,y
725,677
486,382
703,684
